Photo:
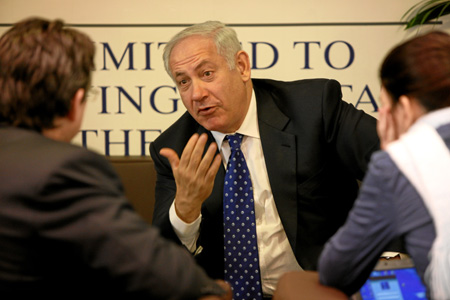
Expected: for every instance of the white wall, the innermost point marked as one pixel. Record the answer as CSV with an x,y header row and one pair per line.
x,y
347,41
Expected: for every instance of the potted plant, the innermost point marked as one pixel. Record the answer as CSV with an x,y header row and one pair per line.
x,y
426,11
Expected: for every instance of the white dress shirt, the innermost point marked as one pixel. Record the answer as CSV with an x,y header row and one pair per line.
x,y
275,253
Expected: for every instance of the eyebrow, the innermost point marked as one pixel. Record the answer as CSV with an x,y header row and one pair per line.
x,y
199,66
178,74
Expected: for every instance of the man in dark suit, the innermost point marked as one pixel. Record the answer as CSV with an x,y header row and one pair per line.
x,y
66,229
305,149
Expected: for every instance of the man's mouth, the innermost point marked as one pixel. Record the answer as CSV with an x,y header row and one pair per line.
x,y
207,110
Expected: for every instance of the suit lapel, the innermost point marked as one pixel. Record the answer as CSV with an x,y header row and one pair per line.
x,y
280,156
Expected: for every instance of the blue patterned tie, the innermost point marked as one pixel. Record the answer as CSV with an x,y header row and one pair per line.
x,y
241,249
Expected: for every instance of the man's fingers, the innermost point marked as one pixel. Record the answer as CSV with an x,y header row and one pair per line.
x,y
172,156
227,288
197,152
209,164
187,151
212,172
193,166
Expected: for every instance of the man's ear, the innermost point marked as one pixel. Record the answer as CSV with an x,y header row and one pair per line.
x,y
77,106
243,65
66,127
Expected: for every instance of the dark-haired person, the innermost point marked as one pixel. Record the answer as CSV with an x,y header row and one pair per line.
x,y
66,229
406,192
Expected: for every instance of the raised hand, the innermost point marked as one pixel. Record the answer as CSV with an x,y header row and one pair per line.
x,y
194,175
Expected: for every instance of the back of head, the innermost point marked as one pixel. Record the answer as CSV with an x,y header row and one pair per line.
x,y
42,65
225,39
420,68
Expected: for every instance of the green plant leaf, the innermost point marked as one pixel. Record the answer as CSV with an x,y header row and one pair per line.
x,y
426,11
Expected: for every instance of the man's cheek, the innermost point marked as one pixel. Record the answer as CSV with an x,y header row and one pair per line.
x,y
187,104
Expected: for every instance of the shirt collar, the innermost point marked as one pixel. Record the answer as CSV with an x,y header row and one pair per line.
x,y
248,128
436,118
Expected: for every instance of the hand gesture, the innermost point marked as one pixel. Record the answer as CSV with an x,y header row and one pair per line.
x,y
194,175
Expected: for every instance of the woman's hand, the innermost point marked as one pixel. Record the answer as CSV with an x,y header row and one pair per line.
x,y
386,127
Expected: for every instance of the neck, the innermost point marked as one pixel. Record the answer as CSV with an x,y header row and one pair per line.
x,y
55,134
61,131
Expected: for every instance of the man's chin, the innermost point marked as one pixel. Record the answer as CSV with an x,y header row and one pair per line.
x,y
212,126
214,123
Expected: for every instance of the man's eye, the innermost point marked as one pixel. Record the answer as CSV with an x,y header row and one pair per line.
x,y
182,82
208,73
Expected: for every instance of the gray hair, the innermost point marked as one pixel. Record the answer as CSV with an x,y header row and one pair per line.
x,y
225,39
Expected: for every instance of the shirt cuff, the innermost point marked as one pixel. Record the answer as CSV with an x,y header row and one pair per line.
x,y
187,232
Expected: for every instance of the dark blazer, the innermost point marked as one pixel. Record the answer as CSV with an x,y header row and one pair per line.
x,y
66,229
315,147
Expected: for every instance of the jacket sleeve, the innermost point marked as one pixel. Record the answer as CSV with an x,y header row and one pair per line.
x,y
351,254
95,221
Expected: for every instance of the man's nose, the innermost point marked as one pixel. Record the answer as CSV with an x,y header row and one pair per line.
x,y
199,91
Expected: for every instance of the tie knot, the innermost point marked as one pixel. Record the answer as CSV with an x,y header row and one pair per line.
x,y
235,141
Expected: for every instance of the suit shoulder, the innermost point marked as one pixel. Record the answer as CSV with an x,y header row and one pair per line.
x,y
314,83
35,149
39,161
60,152
294,97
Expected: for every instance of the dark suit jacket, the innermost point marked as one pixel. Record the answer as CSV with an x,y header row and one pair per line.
x,y
66,229
315,147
